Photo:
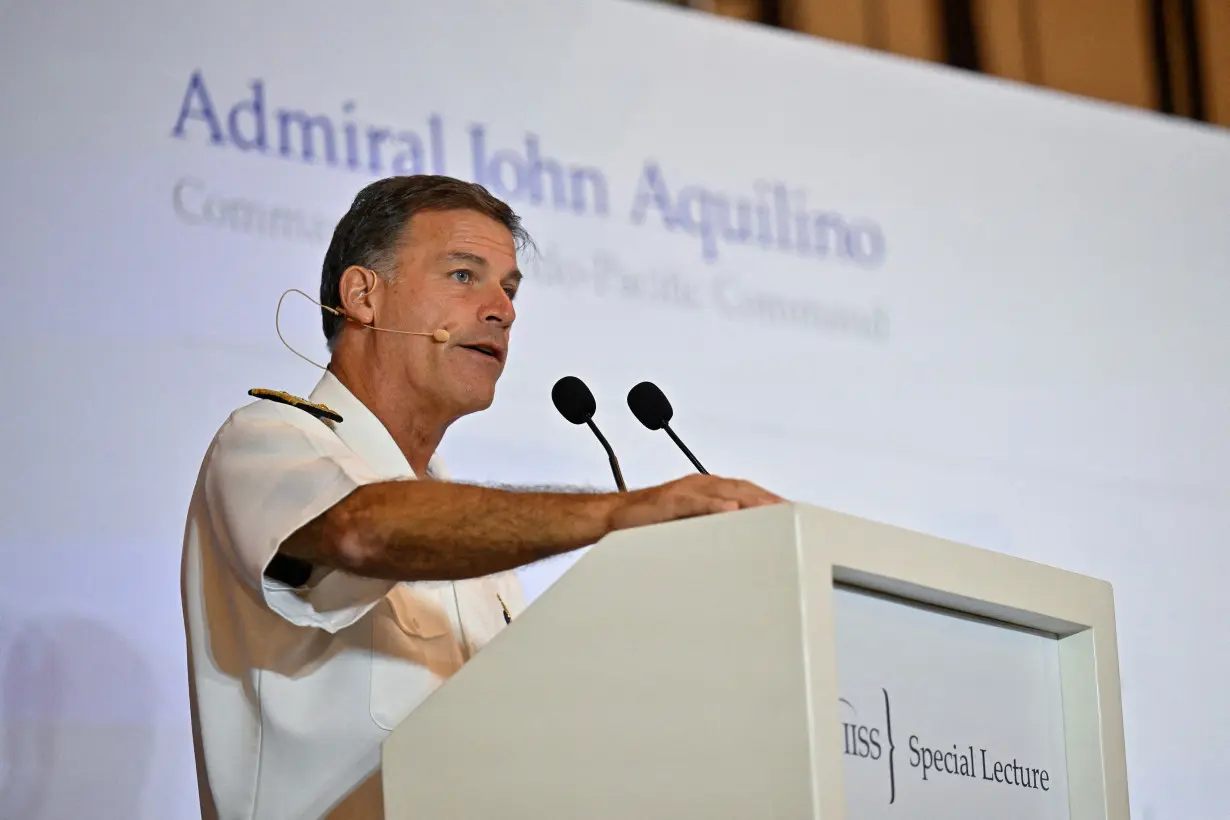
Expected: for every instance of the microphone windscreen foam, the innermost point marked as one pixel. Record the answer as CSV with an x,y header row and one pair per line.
x,y
650,405
573,400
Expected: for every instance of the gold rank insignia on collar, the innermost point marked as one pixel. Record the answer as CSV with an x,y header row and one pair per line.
x,y
320,411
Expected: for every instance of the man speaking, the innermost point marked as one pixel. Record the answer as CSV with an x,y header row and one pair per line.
x,y
332,576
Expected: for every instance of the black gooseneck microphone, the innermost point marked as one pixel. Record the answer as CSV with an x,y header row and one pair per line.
x,y
651,407
574,402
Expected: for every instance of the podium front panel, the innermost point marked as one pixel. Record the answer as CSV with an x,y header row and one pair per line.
x,y
945,715
723,668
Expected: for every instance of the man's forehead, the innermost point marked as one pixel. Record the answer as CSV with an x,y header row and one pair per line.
x,y
459,227
462,236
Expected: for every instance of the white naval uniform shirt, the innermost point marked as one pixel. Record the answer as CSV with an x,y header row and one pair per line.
x,y
293,690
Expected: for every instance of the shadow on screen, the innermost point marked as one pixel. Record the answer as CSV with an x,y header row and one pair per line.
x,y
77,713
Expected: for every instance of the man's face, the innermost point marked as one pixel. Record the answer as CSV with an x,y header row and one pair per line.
x,y
456,270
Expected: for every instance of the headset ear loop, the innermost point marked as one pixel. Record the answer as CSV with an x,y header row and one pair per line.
x,y
277,315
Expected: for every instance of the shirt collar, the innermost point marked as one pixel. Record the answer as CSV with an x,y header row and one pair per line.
x,y
363,433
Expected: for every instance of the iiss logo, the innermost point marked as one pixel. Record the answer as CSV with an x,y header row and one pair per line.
x,y
871,740
868,739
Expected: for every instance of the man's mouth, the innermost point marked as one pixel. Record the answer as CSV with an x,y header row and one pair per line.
x,y
486,349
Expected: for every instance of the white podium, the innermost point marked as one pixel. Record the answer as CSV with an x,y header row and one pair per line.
x,y
780,664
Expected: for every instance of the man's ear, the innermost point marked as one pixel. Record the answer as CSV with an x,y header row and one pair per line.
x,y
357,293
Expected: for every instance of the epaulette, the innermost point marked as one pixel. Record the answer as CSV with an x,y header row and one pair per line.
x,y
320,411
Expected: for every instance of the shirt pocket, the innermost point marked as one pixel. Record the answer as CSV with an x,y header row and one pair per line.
x,y
482,612
414,650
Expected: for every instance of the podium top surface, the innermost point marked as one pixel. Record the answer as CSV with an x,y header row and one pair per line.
x,y
916,567
956,576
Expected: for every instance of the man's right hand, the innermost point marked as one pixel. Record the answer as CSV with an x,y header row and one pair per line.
x,y
687,497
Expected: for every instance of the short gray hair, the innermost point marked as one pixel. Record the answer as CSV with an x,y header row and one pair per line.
x,y
370,233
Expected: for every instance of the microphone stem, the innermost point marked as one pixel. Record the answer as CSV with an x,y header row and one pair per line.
x,y
610,453
685,449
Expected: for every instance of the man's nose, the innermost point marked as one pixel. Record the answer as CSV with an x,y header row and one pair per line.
x,y
499,309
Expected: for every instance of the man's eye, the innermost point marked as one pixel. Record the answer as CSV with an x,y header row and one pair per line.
x,y
463,276
512,293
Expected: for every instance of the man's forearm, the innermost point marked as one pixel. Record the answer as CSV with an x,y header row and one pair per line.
x,y
428,530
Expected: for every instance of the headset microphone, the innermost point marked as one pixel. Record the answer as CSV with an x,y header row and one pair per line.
x,y
439,335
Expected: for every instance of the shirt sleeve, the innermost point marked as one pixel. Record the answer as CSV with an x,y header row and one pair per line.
x,y
271,470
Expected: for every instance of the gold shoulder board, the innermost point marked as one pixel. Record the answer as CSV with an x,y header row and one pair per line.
x,y
320,411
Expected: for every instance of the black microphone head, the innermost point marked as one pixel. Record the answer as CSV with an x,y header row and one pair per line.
x,y
573,400
650,406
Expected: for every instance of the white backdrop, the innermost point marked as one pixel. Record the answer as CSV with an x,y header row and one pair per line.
x,y
1024,350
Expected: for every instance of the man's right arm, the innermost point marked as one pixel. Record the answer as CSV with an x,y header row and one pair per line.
x,y
435,531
